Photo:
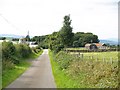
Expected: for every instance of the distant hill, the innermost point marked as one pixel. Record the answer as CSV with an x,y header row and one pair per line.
x,y
115,42
11,36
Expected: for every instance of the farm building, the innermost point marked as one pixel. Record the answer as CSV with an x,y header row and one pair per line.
x,y
22,41
91,46
94,46
101,45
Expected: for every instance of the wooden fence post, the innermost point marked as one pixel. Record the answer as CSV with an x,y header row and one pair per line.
x,y
92,57
82,56
103,59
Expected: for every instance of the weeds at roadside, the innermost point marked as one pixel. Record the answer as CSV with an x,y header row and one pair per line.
x,y
83,73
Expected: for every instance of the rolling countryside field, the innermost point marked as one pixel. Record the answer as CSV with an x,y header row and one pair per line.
x,y
100,56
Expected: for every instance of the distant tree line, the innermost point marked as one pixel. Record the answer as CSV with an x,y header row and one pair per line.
x,y
15,39
65,38
2,38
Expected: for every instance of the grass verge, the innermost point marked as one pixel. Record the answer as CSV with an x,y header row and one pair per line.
x,y
61,79
9,75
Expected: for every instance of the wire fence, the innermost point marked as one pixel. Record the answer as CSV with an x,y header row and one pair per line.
x,y
97,58
97,50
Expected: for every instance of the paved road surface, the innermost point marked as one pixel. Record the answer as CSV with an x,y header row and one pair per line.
x,y
39,75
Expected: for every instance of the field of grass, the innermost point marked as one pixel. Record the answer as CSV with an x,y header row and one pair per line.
x,y
99,55
72,72
81,48
10,75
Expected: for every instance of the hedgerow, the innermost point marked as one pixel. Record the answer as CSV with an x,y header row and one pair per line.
x,y
22,50
13,54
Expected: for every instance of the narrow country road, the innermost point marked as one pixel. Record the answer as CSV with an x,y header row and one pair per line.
x,y
39,75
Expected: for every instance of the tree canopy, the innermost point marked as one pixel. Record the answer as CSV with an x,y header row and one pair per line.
x,y
66,34
65,38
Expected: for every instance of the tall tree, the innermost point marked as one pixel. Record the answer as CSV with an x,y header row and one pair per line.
x,y
66,34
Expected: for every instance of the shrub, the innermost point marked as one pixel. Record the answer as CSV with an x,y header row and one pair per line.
x,y
12,54
36,49
8,50
22,50
7,64
63,59
58,47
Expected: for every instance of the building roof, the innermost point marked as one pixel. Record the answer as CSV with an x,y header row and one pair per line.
x,y
97,44
86,45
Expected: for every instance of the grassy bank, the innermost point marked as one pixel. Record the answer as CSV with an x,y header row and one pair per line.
x,y
61,79
72,72
9,75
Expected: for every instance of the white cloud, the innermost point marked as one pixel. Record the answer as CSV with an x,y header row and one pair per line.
x,y
45,16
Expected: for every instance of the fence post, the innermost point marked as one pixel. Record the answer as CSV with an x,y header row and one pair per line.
x,y
91,57
76,55
103,59
79,54
82,56
111,60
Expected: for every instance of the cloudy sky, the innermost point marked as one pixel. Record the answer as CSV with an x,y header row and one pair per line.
x,y
42,17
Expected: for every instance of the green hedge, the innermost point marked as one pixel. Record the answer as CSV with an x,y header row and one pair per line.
x,y
22,50
12,54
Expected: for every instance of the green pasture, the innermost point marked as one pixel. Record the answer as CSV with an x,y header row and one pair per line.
x,y
113,55
81,48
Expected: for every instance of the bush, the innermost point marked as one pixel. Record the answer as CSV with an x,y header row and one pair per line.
x,y
36,50
56,48
7,64
63,59
12,54
45,46
23,50
76,44
8,50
